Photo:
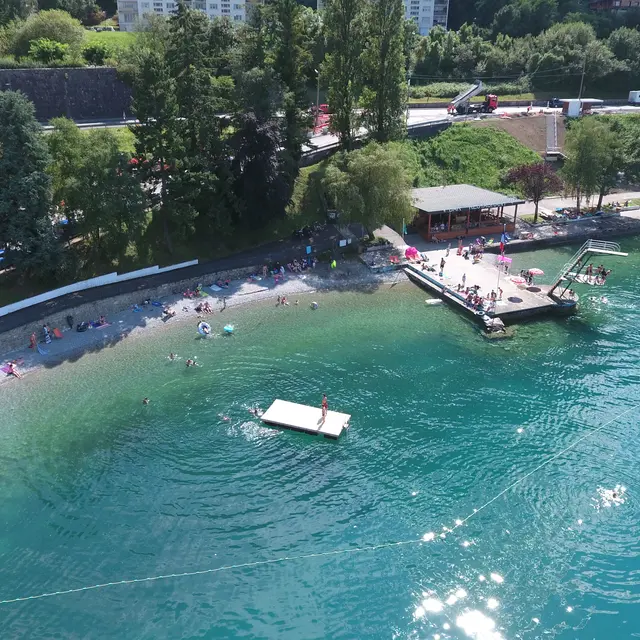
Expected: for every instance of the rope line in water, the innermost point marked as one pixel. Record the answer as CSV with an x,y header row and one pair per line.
x,y
335,552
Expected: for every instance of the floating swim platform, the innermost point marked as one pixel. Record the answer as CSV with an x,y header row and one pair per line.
x,y
300,417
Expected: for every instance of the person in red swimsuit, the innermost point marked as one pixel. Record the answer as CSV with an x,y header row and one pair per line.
x,y
325,406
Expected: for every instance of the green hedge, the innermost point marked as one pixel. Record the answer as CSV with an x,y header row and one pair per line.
x,y
451,89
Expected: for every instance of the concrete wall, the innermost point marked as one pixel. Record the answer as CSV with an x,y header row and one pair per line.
x,y
19,338
99,281
91,93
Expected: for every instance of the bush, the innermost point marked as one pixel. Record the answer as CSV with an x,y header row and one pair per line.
x,y
25,63
47,51
54,25
96,53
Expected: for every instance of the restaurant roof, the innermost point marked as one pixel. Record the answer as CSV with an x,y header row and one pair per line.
x,y
458,197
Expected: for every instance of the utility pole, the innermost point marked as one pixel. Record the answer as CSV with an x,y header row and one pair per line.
x,y
584,67
408,95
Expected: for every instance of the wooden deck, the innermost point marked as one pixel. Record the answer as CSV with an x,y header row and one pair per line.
x,y
300,417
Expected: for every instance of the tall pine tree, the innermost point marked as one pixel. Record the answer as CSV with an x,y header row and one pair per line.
x,y
26,225
342,69
384,98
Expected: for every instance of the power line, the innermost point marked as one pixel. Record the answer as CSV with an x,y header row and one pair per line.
x,y
307,556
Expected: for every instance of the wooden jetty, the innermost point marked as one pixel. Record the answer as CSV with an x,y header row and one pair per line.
x,y
300,417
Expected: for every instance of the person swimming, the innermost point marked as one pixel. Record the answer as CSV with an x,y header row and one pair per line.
x,y
256,411
172,356
145,400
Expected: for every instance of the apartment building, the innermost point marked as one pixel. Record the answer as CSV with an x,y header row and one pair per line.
x,y
132,12
427,13
613,5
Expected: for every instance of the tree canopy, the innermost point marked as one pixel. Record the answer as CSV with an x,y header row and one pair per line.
x,y
26,226
371,186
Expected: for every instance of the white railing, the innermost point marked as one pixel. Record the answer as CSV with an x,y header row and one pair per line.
x,y
589,245
100,281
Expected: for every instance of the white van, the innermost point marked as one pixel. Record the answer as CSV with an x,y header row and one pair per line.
x,y
634,97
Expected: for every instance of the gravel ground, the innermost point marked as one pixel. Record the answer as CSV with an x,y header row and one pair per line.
x,y
352,275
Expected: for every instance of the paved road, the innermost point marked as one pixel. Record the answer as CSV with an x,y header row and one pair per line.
x,y
550,204
281,251
416,117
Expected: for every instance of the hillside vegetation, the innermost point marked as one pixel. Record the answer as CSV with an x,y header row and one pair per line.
x,y
461,154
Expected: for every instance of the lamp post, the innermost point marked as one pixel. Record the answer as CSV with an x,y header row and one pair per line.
x,y
317,99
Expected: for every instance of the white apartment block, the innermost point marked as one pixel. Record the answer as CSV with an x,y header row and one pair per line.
x,y
132,12
425,13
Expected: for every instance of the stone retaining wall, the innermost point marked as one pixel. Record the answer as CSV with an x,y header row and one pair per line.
x,y
19,337
88,93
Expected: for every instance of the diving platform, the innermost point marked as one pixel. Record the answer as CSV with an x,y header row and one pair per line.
x,y
572,270
300,417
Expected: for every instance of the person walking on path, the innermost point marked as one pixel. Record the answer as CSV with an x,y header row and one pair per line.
x,y
325,407
448,249
442,263
224,304
464,280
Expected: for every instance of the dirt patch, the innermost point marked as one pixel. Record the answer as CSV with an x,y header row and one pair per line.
x,y
531,131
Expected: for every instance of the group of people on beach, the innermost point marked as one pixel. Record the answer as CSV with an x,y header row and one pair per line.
x,y
297,265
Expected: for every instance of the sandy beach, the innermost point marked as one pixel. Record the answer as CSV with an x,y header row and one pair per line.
x,y
130,324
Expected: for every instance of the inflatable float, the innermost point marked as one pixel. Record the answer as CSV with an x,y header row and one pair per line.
x,y
228,328
204,329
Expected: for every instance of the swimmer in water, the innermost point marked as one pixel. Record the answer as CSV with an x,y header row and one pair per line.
x,y
172,356
145,400
614,494
256,411
190,363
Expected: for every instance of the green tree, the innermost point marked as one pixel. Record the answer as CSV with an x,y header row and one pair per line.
x,y
47,51
371,186
54,25
197,50
591,164
535,181
16,10
26,229
522,17
261,186
110,199
385,95
342,68
66,147
94,185
290,59
157,136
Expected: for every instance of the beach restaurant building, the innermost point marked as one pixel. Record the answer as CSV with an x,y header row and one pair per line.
x,y
457,210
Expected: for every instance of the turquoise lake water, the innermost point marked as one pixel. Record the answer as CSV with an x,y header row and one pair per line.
x,y
97,488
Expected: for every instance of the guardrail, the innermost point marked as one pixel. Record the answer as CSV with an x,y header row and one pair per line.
x,y
100,281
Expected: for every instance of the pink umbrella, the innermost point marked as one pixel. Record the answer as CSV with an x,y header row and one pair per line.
x,y
536,272
517,280
411,252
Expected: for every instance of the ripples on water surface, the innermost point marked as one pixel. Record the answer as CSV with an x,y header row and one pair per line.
x,y
96,487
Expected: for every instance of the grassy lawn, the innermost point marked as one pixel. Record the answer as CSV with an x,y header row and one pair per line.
x,y
126,139
115,40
